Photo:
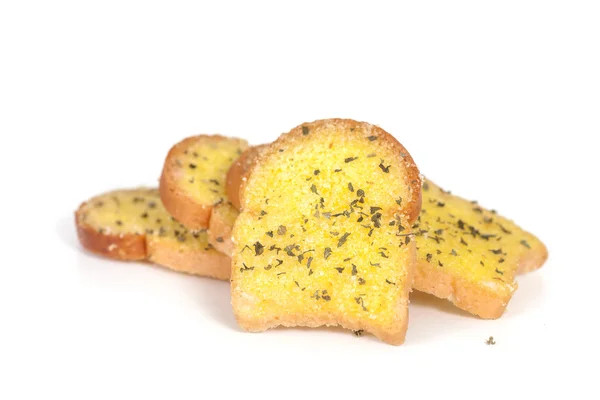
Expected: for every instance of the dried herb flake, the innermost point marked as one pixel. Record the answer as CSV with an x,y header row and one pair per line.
x,y
258,248
384,168
343,239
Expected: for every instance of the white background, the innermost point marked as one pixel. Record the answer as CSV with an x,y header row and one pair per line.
x,y
498,101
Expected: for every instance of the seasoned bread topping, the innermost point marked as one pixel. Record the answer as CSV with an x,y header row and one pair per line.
x,y
194,177
202,167
466,240
466,253
326,227
137,212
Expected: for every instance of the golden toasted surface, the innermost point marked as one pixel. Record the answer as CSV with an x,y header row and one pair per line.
x,y
324,234
194,177
138,212
132,224
450,266
475,248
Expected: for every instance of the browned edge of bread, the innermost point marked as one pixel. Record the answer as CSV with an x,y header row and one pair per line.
x,y
532,261
238,171
219,232
127,247
195,262
179,204
463,294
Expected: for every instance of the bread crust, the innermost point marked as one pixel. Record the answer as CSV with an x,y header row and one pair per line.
x,y
192,214
202,263
126,247
480,300
219,234
477,299
533,259
182,207
142,247
298,320
239,176
237,173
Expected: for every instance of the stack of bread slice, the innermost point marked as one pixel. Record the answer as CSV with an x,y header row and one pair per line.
x,y
168,225
331,224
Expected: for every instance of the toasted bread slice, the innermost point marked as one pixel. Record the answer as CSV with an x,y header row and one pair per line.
x,y
324,235
193,177
458,275
132,224
470,255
